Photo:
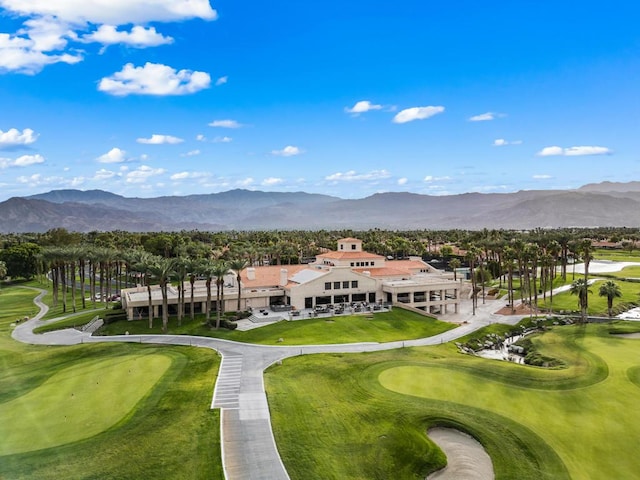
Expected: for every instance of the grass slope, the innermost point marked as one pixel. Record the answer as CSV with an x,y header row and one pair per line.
x,y
169,432
380,327
535,423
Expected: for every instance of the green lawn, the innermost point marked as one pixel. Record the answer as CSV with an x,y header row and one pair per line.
x,y
146,416
580,422
597,304
379,327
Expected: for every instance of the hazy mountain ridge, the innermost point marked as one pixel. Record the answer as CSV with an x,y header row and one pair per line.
x,y
605,204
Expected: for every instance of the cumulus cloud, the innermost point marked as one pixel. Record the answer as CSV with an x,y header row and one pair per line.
x,y
115,155
143,173
501,142
157,139
23,161
431,178
542,177
416,113
288,151
573,151
20,55
485,117
222,81
114,12
138,37
362,106
154,79
227,123
104,174
353,176
403,181
189,175
51,27
14,137
224,139
269,182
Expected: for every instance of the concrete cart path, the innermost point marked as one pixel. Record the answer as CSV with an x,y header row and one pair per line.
x,y
248,447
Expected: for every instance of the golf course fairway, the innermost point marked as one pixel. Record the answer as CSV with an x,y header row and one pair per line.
x,y
78,402
590,428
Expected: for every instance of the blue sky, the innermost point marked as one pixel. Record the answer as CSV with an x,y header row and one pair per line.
x,y
174,97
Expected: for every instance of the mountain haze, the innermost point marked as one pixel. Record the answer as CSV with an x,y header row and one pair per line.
x,y
604,204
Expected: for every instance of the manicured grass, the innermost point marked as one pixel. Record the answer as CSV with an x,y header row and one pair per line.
x,y
93,396
617,255
167,431
379,327
597,304
535,423
71,321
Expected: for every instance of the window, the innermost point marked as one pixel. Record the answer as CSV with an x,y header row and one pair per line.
x,y
353,247
352,264
354,284
336,285
366,264
327,285
341,246
345,284
372,263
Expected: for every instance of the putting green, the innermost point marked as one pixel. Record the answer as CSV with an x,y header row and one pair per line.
x,y
78,402
592,428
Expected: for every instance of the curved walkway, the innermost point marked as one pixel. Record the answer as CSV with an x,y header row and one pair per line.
x,y
248,446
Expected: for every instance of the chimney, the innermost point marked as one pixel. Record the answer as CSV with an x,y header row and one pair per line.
x,y
283,277
251,273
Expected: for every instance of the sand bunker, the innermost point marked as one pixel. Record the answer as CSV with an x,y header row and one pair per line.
x,y
466,457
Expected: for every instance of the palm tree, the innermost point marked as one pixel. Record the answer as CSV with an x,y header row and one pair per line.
x,y
163,268
611,290
142,264
455,263
580,288
182,265
238,265
3,270
220,270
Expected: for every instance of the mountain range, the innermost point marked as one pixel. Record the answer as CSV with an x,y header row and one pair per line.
x,y
603,204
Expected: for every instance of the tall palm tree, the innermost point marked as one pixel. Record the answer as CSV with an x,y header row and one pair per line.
x,y
3,270
580,288
142,264
238,265
220,270
162,269
611,290
454,264
181,270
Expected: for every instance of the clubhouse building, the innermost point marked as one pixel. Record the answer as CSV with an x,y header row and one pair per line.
x,y
346,278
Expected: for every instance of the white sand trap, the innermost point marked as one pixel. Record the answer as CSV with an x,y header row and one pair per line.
x,y
603,266
627,335
466,457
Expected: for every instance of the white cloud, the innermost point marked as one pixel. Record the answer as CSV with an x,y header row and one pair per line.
x,y
189,175
501,142
484,117
362,106
288,151
23,161
573,151
353,176
431,178
403,181
157,139
224,139
115,155
138,37
416,113
143,173
154,79
191,153
104,174
225,124
222,81
201,138
13,137
18,54
245,182
272,181
542,177
113,12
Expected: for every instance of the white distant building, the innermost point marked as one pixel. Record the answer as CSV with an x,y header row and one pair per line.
x,y
345,276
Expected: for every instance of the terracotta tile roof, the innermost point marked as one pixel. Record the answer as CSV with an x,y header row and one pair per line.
x,y
349,239
269,275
